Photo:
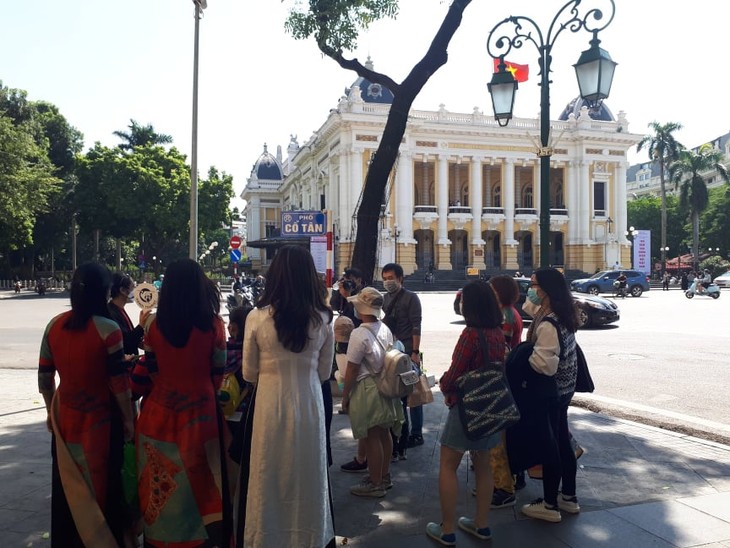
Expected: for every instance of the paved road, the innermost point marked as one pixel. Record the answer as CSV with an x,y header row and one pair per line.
x,y
667,355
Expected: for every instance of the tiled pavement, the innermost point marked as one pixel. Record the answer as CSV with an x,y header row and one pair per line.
x,y
638,486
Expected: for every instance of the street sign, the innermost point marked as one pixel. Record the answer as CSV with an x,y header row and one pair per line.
x,y
235,255
303,223
235,241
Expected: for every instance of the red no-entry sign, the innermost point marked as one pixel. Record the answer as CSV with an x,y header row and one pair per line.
x,y
235,242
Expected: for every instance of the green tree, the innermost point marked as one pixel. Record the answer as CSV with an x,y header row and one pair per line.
x,y
139,135
645,214
689,172
662,148
214,198
335,26
716,220
26,181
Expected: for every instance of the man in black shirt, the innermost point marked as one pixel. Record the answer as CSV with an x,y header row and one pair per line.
x,y
402,314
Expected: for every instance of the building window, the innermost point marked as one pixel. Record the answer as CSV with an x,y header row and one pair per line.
x,y
497,196
599,198
527,197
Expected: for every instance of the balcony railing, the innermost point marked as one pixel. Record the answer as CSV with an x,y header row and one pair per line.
x,y
558,211
492,211
426,209
459,209
525,211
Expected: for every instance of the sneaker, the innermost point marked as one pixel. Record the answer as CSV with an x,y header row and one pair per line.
x,y
535,472
539,509
402,455
387,482
502,499
415,441
434,531
355,466
394,458
367,488
470,527
568,504
520,482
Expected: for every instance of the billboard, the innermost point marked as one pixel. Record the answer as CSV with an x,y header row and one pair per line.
x,y
642,251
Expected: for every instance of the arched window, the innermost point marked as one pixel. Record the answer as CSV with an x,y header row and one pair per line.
x,y
497,196
527,197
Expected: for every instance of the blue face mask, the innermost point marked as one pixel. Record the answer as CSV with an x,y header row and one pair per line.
x,y
533,296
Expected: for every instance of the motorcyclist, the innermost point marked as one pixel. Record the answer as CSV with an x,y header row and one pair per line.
x,y
703,281
621,280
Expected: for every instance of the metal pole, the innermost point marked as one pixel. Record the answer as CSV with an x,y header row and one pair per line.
x,y
193,249
545,155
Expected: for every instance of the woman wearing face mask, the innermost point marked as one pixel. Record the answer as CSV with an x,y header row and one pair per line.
x,y
122,286
552,332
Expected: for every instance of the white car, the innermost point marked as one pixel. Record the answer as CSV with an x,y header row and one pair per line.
x,y
723,280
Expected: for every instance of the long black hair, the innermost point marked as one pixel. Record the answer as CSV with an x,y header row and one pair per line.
x,y
294,291
553,283
480,306
120,281
89,294
188,299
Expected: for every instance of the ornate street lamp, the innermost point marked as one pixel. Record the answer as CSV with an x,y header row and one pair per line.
x,y
502,88
594,71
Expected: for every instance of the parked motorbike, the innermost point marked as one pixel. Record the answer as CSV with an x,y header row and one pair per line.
x,y
240,297
710,291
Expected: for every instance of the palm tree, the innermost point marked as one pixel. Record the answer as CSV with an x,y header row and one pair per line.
x,y
689,172
662,148
139,135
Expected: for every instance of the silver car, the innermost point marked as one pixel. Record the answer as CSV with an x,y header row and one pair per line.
x,y
723,280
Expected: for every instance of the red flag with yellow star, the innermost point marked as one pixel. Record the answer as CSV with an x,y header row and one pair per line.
x,y
520,72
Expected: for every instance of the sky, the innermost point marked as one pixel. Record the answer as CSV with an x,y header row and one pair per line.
x,y
104,62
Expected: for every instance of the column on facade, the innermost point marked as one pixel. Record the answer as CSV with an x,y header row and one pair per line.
x,y
508,200
584,181
356,182
253,225
344,189
477,201
444,255
621,221
404,206
509,257
572,188
443,199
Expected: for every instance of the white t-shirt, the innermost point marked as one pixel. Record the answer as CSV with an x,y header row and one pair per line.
x,y
364,350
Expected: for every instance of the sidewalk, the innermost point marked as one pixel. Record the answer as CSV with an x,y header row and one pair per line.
x,y
638,486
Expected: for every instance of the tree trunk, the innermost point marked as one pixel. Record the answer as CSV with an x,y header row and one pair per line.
x,y
696,237
119,254
368,213
97,234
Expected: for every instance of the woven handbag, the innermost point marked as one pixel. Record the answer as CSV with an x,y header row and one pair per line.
x,y
486,405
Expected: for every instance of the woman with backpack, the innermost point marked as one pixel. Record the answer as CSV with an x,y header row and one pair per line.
x,y
372,415
483,318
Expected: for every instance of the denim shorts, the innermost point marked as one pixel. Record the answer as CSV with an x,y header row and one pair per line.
x,y
453,435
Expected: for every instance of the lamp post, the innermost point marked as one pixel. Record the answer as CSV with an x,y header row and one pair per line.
x,y
665,252
594,71
200,5
631,234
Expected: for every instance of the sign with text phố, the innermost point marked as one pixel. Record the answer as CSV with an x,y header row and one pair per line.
x,y
303,223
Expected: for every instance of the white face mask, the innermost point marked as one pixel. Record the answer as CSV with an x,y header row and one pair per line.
x,y
391,286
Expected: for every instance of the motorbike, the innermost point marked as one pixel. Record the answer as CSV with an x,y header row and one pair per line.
x,y
40,287
240,297
711,290
17,287
620,290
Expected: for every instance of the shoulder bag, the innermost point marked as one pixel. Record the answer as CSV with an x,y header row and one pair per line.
x,y
486,405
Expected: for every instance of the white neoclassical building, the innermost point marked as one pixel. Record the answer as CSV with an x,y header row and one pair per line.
x,y
464,192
